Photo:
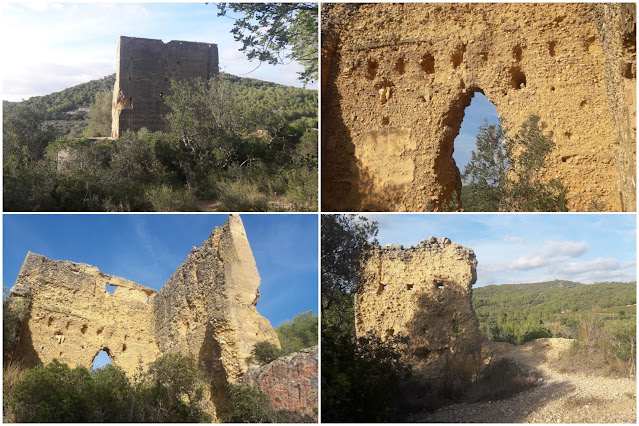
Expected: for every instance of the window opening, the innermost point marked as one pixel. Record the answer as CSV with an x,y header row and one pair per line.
x,y
101,359
110,288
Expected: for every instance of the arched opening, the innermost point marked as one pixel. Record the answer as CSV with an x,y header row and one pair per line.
x,y
101,359
480,108
109,288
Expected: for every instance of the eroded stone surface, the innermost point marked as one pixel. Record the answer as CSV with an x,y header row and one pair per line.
x,y
410,70
290,381
207,309
423,293
144,69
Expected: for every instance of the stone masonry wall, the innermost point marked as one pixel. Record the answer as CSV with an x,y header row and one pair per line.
x,y
143,72
396,79
207,309
423,293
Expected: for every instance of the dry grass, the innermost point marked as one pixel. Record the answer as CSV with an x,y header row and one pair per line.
x,y
593,360
12,373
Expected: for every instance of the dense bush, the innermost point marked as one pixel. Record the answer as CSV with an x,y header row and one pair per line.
x,y
247,144
298,334
248,405
169,391
264,352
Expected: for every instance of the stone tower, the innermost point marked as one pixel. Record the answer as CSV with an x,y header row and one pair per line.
x,y
422,293
143,72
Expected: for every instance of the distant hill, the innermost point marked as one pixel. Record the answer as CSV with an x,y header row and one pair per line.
x,y
517,313
555,296
58,103
295,101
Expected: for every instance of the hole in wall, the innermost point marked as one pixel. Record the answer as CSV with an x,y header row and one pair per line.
x,y
483,55
517,53
627,71
552,48
583,104
390,332
123,347
517,78
381,288
371,69
50,321
400,66
428,63
84,328
589,44
552,88
458,57
385,121
101,359
568,134
100,330
109,288
409,287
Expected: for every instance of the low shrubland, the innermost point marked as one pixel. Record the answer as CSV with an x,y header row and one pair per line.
x,y
171,390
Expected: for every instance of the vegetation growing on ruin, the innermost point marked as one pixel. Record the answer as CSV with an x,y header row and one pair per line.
x,y
236,144
601,318
504,173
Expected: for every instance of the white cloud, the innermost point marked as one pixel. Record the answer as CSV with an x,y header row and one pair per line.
x,y
551,253
513,240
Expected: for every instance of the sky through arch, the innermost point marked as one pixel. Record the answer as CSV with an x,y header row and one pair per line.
x,y
474,114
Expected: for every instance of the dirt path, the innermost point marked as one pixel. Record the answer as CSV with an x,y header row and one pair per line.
x,y
206,206
559,398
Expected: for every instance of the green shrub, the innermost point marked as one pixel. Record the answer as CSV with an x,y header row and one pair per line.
x,y
169,391
298,334
54,393
248,405
264,352
164,198
241,196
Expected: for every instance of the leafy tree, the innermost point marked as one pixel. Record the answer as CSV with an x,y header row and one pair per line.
x,y
504,173
99,118
298,334
25,134
264,352
277,32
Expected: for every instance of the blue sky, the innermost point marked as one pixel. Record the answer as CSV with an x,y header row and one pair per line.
x,y
147,249
522,248
53,45
479,108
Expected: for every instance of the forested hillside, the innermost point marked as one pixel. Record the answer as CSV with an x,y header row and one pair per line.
x,y
58,103
517,313
235,144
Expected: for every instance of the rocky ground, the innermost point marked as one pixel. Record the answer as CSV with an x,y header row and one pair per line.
x,y
558,398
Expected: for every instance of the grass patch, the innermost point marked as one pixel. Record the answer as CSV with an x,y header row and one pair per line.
x,y
164,198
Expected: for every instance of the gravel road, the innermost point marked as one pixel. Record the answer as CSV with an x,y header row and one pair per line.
x,y
558,398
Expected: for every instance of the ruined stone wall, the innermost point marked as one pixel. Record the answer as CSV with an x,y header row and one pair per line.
x,y
207,309
396,79
143,72
73,317
423,293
